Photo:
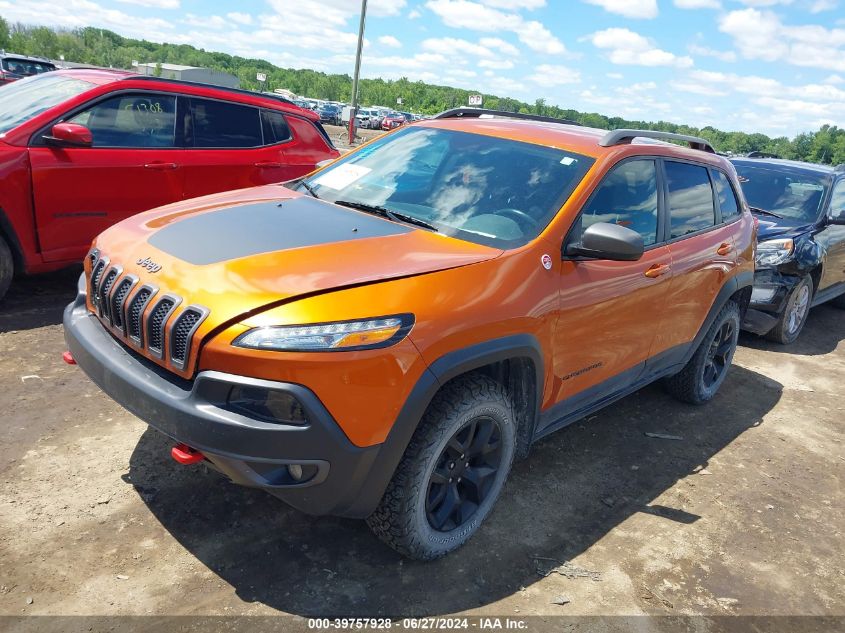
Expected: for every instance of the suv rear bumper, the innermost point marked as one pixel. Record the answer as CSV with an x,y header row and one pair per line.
x,y
250,452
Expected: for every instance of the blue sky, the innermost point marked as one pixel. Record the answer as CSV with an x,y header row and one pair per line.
x,y
774,66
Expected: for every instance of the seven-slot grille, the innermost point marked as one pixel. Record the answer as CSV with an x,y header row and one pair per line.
x,y
141,314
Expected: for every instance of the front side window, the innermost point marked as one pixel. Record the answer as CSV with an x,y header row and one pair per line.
x,y
479,188
728,203
628,197
795,194
22,100
132,121
837,201
691,207
224,125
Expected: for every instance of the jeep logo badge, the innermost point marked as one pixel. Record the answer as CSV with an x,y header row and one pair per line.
x,y
149,264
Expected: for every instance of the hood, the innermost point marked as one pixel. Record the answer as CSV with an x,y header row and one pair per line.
x,y
240,252
770,227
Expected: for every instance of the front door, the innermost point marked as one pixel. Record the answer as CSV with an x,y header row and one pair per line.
x,y
609,311
832,239
132,166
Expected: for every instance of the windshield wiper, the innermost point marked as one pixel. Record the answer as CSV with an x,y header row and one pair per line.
x,y
309,189
396,216
765,212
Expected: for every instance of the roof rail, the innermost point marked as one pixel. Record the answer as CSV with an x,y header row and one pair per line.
x,y
185,82
621,137
761,155
477,113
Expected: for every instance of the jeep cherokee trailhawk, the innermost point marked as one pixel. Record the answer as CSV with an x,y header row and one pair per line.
x,y
383,337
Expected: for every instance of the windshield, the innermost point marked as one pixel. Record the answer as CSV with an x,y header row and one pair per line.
x,y
24,99
791,194
478,188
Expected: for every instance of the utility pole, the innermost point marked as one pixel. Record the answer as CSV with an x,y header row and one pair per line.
x,y
354,109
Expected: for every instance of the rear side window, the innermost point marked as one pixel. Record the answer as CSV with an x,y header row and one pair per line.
x,y
137,120
276,128
222,124
727,197
628,197
691,205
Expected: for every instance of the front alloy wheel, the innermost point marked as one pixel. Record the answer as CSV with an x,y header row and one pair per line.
x,y
794,316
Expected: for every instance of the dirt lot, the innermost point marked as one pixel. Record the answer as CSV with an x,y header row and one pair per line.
x,y
744,515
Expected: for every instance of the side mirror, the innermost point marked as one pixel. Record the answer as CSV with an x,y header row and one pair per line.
x,y
70,135
836,216
609,241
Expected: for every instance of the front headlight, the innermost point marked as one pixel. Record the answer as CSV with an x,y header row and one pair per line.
x,y
341,336
774,252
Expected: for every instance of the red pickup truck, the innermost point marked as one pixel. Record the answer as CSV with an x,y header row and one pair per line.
x,y
83,149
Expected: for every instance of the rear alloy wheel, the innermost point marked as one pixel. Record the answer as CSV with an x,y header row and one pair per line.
x,y
452,471
705,372
7,267
794,316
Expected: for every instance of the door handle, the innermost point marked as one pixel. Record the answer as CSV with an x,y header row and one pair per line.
x,y
658,270
267,164
725,249
161,166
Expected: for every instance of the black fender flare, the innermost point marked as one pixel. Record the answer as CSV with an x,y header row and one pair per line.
x,y
442,370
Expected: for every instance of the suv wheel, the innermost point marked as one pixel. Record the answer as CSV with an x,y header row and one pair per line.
x,y
452,471
792,321
702,376
7,267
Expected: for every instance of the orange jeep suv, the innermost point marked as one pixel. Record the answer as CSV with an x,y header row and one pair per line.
x,y
381,338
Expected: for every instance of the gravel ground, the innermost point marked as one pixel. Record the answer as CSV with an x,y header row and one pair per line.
x,y
744,515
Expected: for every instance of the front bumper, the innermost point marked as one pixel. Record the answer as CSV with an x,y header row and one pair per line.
x,y
250,452
768,299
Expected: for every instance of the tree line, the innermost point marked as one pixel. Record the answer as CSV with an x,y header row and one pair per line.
x,y
104,48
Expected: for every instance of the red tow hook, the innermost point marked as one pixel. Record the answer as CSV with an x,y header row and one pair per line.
x,y
68,358
184,454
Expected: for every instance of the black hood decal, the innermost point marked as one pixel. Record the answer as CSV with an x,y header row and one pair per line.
x,y
242,231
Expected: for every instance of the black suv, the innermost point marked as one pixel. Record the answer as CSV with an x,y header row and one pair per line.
x,y
800,209
14,67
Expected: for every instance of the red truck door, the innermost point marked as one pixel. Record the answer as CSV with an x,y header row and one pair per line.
x,y
133,165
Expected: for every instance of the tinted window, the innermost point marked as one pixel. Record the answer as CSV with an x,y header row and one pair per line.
x,y
727,197
837,202
691,206
276,128
628,197
796,194
221,124
131,121
25,67
475,187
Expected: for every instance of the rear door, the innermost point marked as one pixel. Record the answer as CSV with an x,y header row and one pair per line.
x,y
610,311
832,240
233,146
132,166
702,249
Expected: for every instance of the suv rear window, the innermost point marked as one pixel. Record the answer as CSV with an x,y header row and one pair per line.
x,y
25,67
691,205
222,124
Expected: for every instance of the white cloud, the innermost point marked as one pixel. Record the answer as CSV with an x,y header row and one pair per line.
x,y
553,75
820,6
206,22
496,64
506,48
637,9
155,4
514,5
698,4
389,41
725,56
414,14
240,18
466,14
834,79
625,47
762,35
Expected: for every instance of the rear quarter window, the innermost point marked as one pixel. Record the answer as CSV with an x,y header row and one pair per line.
x,y
728,201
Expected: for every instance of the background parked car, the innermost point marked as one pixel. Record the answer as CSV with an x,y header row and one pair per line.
x,y
800,209
14,67
83,149
393,120
329,114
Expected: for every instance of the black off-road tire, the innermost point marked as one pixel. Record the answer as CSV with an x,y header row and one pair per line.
x,y
785,332
7,267
691,384
401,520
